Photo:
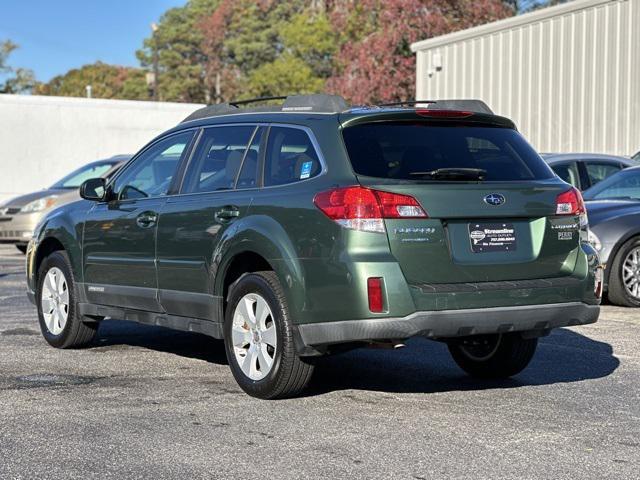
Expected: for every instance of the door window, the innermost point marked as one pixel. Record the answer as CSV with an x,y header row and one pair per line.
x,y
151,173
291,157
598,171
218,159
568,172
248,177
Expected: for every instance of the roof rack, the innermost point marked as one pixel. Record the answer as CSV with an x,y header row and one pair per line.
x,y
317,103
321,103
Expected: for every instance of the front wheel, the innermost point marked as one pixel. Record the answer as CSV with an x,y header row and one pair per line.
x,y
259,339
60,324
493,356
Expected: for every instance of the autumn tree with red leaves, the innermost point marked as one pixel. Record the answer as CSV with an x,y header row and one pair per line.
x,y
375,63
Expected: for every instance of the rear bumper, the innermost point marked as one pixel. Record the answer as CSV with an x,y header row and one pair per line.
x,y
452,323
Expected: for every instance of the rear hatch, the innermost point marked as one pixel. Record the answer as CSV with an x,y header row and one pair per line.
x,y
489,198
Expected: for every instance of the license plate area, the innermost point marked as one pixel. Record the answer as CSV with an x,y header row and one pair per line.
x,y
492,237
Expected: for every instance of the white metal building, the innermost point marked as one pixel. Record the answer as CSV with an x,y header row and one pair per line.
x,y
569,76
44,138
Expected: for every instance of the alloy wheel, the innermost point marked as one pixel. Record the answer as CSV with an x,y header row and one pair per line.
x,y
631,273
55,301
253,335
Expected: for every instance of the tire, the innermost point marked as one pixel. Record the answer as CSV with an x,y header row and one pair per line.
x,y
22,248
250,348
619,293
493,356
72,332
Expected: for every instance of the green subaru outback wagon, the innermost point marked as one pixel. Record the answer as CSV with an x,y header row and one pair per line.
x,y
310,227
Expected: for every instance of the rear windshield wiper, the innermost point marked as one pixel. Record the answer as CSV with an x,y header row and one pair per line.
x,y
453,174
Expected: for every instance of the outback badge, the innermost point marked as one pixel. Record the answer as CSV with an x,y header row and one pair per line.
x,y
495,199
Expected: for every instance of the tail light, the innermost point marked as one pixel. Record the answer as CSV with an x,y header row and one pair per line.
x,y
365,209
374,292
570,203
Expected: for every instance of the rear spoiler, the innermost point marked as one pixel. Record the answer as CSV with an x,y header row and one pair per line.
x,y
476,106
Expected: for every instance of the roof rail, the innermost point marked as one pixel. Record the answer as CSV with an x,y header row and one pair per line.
x,y
292,103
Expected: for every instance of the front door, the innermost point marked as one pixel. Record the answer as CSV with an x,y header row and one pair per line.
x,y
216,194
120,235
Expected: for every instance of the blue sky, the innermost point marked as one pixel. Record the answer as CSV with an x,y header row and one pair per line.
x,y
56,35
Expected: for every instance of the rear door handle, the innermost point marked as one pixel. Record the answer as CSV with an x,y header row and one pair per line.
x,y
227,213
147,219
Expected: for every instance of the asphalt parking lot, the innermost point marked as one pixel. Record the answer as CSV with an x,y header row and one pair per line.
x,y
147,402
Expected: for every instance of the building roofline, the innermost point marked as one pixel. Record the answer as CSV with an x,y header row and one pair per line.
x,y
46,100
507,23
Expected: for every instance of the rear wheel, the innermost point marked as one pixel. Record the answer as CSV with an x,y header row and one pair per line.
x,y
22,248
60,324
259,339
624,280
493,356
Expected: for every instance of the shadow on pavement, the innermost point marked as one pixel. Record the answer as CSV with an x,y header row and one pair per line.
x,y
114,334
423,366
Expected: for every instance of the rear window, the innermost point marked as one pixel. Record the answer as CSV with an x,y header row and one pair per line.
x,y
396,150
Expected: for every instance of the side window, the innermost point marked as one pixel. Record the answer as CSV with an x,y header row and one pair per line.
x,y
598,171
568,172
290,158
217,159
248,177
151,173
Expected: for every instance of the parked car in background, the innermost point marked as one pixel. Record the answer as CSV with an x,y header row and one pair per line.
x,y
636,158
20,215
584,170
613,207
309,228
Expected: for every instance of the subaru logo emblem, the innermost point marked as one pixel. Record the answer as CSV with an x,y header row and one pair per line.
x,y
494,199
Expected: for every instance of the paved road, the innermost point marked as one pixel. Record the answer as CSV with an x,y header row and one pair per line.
x,y
146,402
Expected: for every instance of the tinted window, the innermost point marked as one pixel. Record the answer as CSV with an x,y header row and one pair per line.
x,y
151,173
624,185
290,158
77,177
218,158
568,172
598,171
396,150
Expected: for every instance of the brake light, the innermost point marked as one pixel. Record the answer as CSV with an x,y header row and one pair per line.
x,y
374,292
425,112
570,203
365,209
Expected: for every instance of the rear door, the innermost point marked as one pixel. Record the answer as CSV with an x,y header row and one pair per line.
x,y
500,228
216,193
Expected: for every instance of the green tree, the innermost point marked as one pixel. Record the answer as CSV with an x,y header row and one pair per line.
x,y
107,81
285,75
249,45
181,60
16,80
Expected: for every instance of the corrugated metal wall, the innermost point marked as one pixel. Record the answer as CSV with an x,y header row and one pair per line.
x,y
569,76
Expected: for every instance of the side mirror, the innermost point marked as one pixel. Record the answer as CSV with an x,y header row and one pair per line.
x,y
93,189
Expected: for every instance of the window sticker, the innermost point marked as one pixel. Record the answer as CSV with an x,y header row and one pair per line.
x,y
305,172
